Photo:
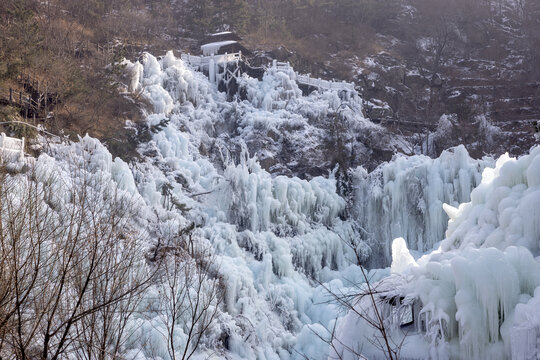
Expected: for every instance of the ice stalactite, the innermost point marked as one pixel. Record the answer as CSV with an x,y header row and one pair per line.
x,y
261,202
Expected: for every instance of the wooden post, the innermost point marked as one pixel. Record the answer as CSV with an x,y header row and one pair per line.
x,y
10,96
20,98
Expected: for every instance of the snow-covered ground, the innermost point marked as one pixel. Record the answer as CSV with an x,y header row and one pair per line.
x,y
281,242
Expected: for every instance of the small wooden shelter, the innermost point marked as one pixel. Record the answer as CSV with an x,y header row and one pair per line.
x,y
222,43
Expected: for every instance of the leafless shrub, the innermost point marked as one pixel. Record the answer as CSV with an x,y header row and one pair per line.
x,y
72,268
191,293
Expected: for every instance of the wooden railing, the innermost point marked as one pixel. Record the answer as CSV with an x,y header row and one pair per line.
x,y
313,82
205,60
307,80
324,84
17,98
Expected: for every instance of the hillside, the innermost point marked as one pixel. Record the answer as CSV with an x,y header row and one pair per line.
x,y
412,62
415,61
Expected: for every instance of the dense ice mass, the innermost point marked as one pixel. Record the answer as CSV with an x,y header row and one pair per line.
x,y
477,293
281,242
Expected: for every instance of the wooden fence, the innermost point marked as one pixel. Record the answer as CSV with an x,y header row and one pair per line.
x,y
30,108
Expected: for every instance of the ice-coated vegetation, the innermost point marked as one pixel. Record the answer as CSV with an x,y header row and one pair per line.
x,y
268,250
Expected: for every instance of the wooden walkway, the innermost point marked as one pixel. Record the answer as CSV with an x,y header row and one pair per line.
x,y
206,63
195,60
35,101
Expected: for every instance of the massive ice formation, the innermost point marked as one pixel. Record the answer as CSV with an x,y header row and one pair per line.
x,y
404,198
281,243
472,293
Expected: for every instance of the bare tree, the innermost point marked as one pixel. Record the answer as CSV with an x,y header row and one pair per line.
x,y
368,303
76,266
191,293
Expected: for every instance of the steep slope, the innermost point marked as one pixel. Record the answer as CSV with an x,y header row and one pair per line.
x,y
474,61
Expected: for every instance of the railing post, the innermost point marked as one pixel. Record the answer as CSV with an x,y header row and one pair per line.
x,y
10,96
21,156
212,69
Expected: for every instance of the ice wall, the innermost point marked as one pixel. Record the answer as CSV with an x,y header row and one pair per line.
x,y
404,198
504,210
476,293
272,235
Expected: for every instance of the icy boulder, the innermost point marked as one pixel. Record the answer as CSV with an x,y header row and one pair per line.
x,y
167,82
467,301
504,209
274,91
401,257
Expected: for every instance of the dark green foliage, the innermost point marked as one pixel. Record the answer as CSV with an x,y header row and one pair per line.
x,y
158,127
